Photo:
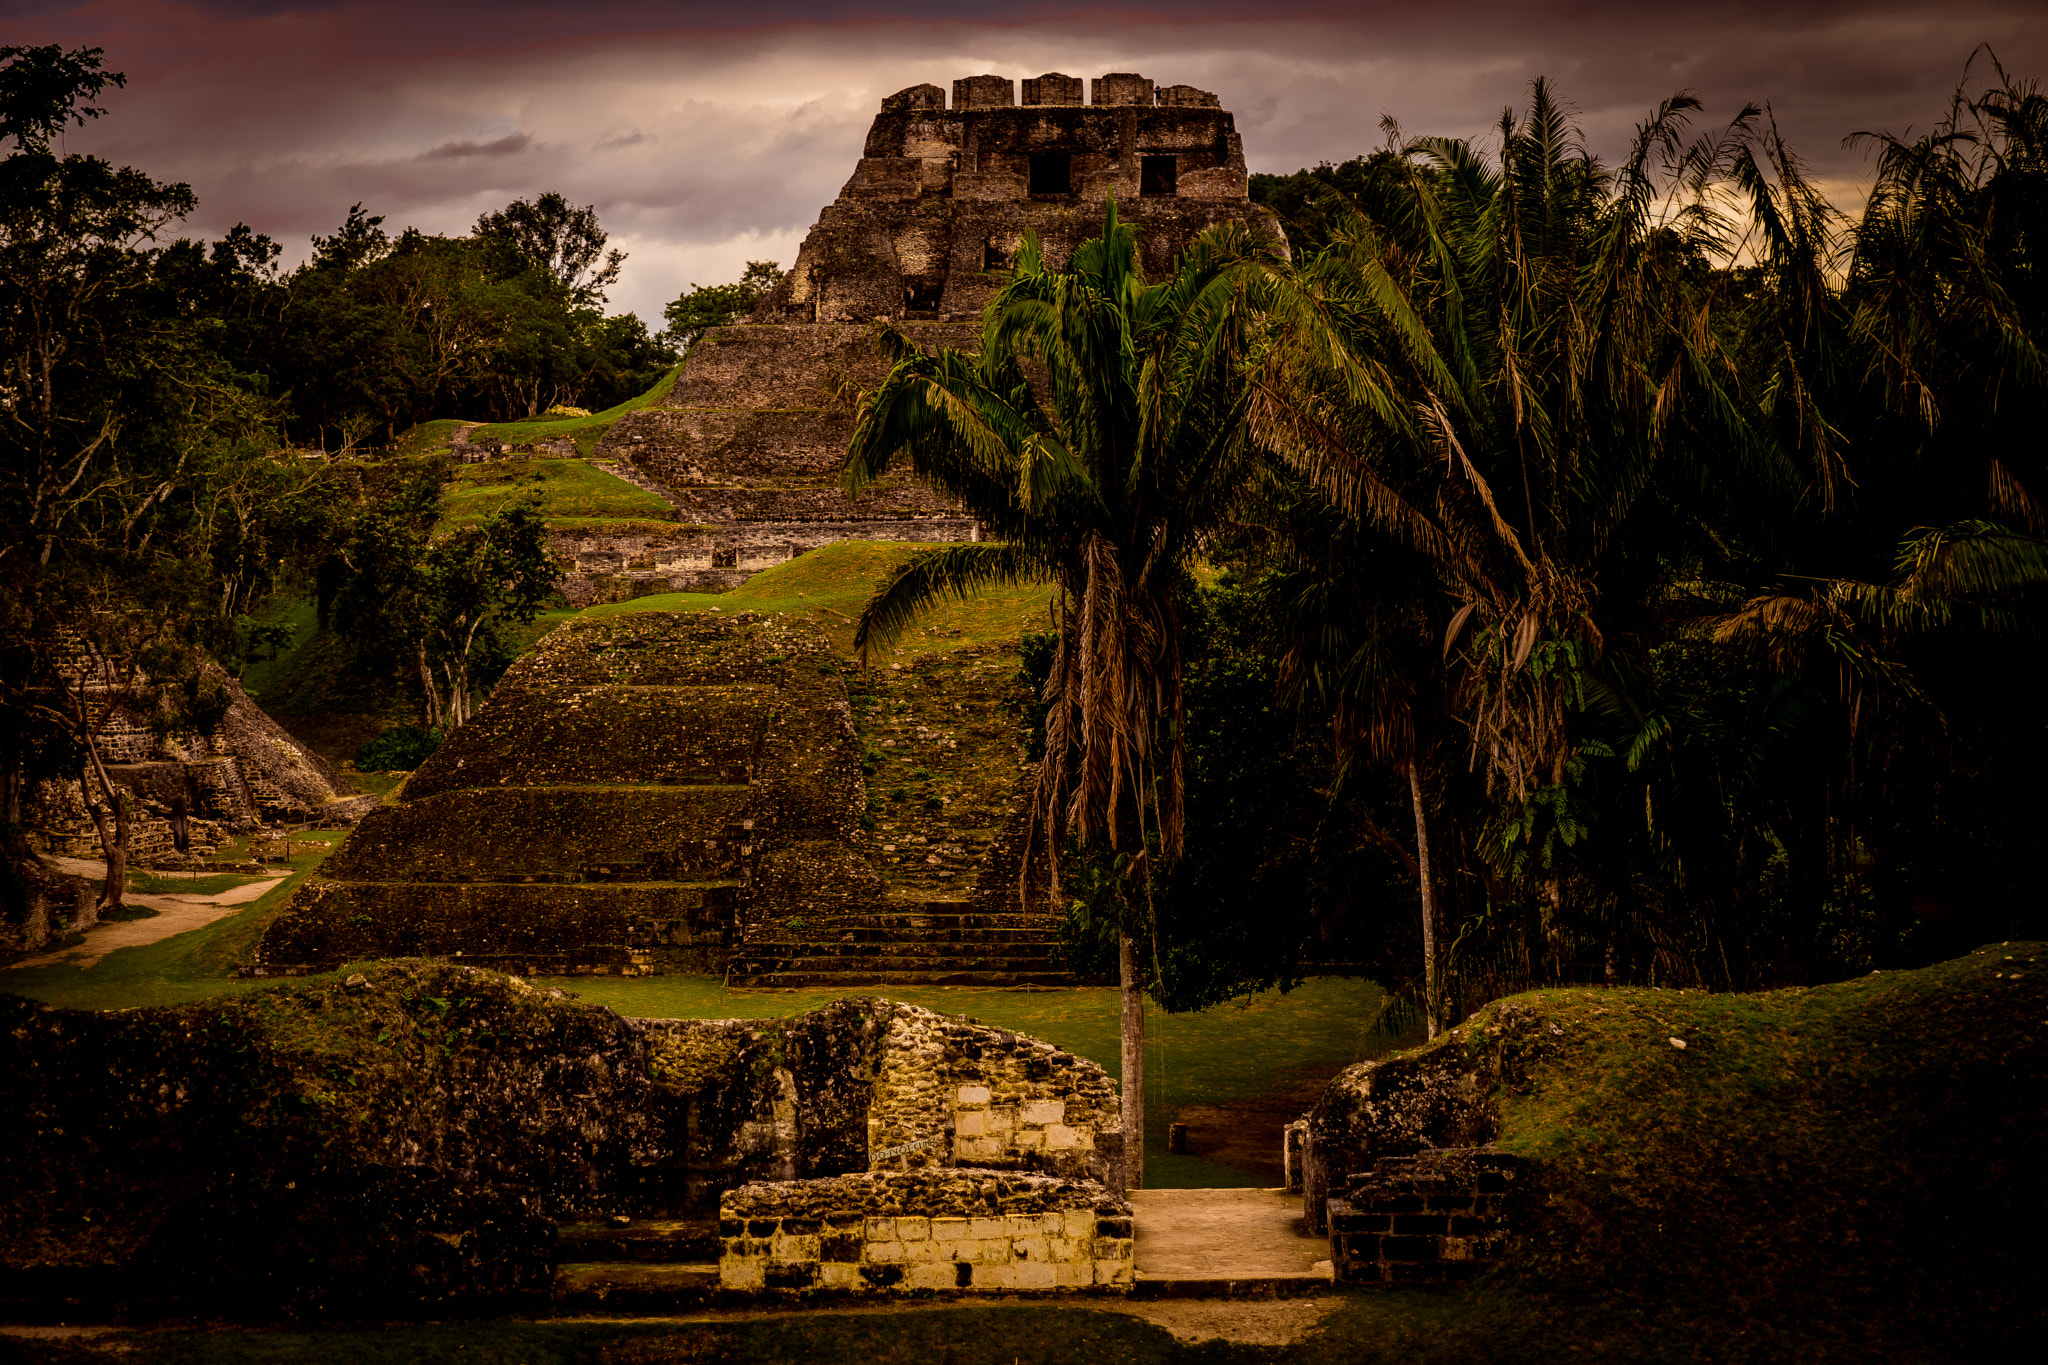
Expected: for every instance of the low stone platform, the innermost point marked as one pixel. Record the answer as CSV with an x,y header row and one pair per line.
x,y
1226,1244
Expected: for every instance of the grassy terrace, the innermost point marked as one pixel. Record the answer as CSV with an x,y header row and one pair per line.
x,y
572,493
829,585
586,432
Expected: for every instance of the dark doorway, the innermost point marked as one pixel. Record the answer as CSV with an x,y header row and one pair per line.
x,y
921,293
1052,173
994,257
1158,175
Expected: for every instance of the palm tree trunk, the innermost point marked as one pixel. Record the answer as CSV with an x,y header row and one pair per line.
x,y
1432,997
1133,1062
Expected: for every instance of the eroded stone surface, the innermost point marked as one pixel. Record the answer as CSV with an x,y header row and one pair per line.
x,y
413,1135
749,443
926,1230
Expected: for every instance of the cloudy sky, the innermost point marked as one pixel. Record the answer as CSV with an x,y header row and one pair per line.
x,y
708,134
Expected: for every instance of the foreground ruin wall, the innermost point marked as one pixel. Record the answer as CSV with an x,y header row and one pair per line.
x,y
410,1137
749,442
636,789
934,1230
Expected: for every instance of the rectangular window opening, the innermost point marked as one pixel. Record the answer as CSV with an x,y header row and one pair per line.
x,y
1052,173
993,257
921,293
1158,175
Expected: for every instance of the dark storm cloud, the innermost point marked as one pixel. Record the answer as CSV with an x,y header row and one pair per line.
x,y
708,134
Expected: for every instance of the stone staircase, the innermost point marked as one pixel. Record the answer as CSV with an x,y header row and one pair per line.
x,y
636,1266
944,782
908,941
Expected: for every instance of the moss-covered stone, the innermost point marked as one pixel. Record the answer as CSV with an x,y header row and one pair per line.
x,y
406,1137
686,774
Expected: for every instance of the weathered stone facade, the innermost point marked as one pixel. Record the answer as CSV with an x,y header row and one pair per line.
x,y
1440,1096
928,1230
749,442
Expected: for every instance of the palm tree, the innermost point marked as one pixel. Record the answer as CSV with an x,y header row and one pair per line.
x,y
1098,435
1499,367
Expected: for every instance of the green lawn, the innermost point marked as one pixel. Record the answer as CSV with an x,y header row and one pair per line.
x,y
829,584
571,489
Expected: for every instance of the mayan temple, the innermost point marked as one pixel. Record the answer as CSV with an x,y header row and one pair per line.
x,y
748,443
683,792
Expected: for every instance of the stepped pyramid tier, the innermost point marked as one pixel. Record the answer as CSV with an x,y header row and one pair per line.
x,y
749,443
684,792
191,793
635,789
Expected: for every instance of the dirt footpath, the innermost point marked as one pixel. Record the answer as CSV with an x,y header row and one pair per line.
x,y
176,914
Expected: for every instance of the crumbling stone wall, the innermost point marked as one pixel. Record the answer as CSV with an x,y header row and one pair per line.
x,y
1439,1215
986,1097
925,1230
406,1138
1440,1096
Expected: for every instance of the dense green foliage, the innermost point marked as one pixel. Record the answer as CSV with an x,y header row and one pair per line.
x,y
1660,550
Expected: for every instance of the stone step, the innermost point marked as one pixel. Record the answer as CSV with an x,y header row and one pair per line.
x,y
1276,1285
945,920
852,936
657,1241
756,959
837,980
628,1286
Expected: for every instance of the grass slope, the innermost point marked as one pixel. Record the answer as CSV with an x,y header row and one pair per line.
x,y
1826,1173
586,432
830,584
571,493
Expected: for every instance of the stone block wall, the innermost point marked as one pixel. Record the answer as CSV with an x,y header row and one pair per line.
x,y
929,1230
992,1099
1424,1219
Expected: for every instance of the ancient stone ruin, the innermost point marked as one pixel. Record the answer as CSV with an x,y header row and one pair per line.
x,y
187,795
950,1230
421,1135
749,442
1396,1159
192,793
661,792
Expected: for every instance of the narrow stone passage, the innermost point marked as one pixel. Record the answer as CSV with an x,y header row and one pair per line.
x,y
1226,1243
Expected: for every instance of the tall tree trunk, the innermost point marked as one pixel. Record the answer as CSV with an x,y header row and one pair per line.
x,y
1432,993
114,840
1133,1061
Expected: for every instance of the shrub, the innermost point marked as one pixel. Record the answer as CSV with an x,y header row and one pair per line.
x,y
399,750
